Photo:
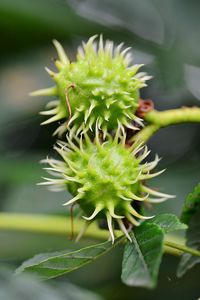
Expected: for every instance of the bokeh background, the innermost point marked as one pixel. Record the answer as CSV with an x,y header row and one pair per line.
x,y
164,35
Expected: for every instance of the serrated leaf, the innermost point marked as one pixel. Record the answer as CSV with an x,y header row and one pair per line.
x,y
50,265
168,222
193,241
191,205
143,256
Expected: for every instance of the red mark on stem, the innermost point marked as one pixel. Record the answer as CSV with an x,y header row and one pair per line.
x,y
144,107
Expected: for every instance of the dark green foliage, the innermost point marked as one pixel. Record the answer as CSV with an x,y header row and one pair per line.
x,y
143,256
50,265
191,205
191,216
168,222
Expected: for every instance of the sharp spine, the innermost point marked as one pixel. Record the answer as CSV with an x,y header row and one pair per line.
x,y
61,52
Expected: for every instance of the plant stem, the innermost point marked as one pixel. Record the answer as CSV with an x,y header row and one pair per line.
x,y
145,134
182,248
174,116
159,119
172,251
60,225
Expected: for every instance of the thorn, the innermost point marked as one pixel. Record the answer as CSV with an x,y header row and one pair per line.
x,y
73,179
52,103
104,130
130,126
53,119
80,52
61,52
91,39
109,47
144,154
74,117
78,197
138,121
135,197
101,47
52,181
70,163
117,135
124,230
95,212
92,106
136,148
107,115
157,200
118,49
72,131
148,176
51,73
112,213
91,123
150,166
79,130
132,220
121,126
60,130
155,193
136,214
125,51
49,112
135,68
100,121
123,141
52,91
97,140
123,197
109,222
58,64
73,146
82,231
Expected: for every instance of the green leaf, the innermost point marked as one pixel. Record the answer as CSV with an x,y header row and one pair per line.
x,y
168,222
191,205
143,256
191,216
193,241
50,265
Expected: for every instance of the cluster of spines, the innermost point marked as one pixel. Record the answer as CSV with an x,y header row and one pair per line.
x,y
103,101
66,172
108,104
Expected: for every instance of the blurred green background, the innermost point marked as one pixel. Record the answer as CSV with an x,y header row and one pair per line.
x,y
165,37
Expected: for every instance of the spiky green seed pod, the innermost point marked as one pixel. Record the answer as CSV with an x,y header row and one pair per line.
x,y
104,178
99,85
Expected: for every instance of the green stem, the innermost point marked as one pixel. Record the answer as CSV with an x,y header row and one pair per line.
x,y
160,119
62,226
174,116
58,225
172,251
182,248
146,133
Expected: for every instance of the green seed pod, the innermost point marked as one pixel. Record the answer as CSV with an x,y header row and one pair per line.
x,y
99,85
104,178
